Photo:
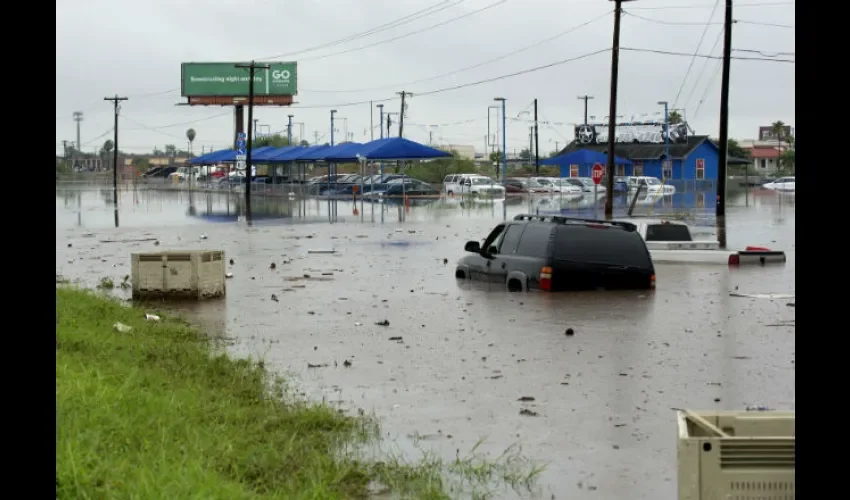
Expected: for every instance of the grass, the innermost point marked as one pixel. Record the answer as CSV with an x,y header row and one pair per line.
x,y
154,414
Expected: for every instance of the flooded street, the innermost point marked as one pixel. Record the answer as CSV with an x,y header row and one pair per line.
x,y
449,369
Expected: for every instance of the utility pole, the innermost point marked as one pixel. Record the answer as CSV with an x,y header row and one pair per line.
x,y
430,136
333,112
315,137
371,122
65,150
612,113
666,142
381,126
252,67
585,98
536,142
289,129
720,209
115,100
78,117
256,120
504,141
403,94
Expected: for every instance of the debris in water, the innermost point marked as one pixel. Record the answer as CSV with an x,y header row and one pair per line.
x,y
445,261
357,323
121,327
526,399
156,243
231,262
204,236
346,363
396,339
69,245
128,241
321,365
228,275
274,297
758,408
569,332
528,413
762,295
790,304
152,317
322,251
383,323
272,266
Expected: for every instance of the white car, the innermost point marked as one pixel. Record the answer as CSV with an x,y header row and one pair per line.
x,y
473,185
185,173
651,185
783,184
585,184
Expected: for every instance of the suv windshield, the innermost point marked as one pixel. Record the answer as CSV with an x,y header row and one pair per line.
x,y
605,245
652,181
482,180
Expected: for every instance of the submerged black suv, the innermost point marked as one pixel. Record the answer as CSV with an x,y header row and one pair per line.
x,y
560,253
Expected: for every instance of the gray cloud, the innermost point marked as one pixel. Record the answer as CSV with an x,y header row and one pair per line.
x,y
135,49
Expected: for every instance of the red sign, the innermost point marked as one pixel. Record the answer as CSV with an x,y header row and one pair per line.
x,y
700,163
596,173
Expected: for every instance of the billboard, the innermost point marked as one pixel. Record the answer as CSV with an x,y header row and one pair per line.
x,y
226,80
632,132
767,133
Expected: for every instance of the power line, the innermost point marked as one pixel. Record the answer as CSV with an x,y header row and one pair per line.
x,y
671,53
694,57
474,66
708,6
186,123
671,23
717,69
419,14
96,138
756,23
405,35
764,53
702,71
145,127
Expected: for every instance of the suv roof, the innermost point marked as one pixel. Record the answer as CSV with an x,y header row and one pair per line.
x,y
557,219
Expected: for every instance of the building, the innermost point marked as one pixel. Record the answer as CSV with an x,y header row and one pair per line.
x,y
464,151
694,159
765,154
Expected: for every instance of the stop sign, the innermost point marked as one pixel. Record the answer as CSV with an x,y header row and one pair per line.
x,y
596,173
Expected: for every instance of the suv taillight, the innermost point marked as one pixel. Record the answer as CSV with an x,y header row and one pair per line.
x,y
734,259
652,281
546,278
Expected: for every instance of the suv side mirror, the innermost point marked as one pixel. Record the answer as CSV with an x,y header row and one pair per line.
x,y
472,246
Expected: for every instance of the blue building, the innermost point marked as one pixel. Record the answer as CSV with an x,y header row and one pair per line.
x,y
693,162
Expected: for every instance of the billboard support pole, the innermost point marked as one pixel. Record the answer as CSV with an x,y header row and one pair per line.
x,y
252,67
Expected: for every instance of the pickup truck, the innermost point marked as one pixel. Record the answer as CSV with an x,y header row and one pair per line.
x,y
671,242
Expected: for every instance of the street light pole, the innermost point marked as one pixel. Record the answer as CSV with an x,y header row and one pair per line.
x,y
504,141
666,141
289,130
381,112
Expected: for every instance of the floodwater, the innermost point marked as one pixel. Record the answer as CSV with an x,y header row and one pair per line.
x,y
604,398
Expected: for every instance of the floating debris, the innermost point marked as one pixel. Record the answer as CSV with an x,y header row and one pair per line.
x,y
121,327
383,323
528,413
152,317
770,296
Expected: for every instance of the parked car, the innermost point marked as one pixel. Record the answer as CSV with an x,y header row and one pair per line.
x,y
621,184
553,253
404,187
473,185
542,185
785,184
159,172
651,185
585,184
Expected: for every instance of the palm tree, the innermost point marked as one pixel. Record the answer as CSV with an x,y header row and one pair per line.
x,y
673,117
777,129
190,134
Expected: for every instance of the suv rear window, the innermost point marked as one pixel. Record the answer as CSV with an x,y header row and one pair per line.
x,y
601,246
535,240
667,232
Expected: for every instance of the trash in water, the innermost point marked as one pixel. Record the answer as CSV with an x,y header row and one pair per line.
x,y
758,408
383,323
152,317
228,275
204,236
121,327
322,251
528,413
762,295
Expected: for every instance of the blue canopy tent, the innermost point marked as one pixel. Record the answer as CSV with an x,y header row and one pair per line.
x,y
230,156
209,158
584,159
267,153
325,151
391,148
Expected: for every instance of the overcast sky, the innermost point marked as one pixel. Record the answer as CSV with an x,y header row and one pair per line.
x,y
135,49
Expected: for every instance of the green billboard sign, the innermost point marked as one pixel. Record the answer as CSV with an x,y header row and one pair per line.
x,y
225,79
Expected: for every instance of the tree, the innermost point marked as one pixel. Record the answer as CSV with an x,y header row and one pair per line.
x,y
496,156
304,142
435,171
108,145
525,154
777,129
673,117
276,141
170,150
190,134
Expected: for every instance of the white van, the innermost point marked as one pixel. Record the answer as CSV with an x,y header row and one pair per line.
x,y
472,184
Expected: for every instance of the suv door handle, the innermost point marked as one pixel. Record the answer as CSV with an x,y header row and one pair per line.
x,y
504,265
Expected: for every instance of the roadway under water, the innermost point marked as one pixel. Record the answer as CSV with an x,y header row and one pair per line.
x,y
467,353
